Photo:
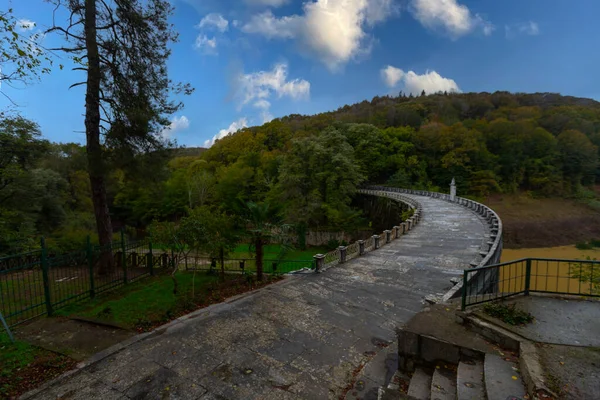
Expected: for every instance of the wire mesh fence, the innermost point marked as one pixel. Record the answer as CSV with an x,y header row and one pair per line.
x,y
542,275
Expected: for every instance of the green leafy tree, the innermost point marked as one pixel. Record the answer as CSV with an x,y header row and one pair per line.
x,y
579,158
22,58
318,178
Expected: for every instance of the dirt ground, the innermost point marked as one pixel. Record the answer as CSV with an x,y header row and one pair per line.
x,y
572,372
77,339
530,223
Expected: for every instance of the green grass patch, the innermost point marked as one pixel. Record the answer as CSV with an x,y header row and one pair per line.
x,y
274,252
23,366
146,302
508,313
14,356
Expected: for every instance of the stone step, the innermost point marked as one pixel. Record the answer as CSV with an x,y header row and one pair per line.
x,y
443,383
502,379
469,380
420,385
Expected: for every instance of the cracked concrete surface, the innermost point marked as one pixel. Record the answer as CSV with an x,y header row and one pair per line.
x,y
316,336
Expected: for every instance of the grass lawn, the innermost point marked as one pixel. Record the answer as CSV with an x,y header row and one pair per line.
x,y
272,252
23,366
151,302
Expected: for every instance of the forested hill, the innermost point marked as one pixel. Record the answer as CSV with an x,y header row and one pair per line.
x,y
308,167
499,142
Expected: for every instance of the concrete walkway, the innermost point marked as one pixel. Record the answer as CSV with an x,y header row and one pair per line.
x,y
309,337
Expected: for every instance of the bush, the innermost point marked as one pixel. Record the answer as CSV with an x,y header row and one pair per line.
x,y
595,243
509,314
584,246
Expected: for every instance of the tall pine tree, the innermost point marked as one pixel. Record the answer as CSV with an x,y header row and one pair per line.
x,y
123,47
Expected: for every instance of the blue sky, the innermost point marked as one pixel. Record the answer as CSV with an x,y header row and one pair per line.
x,y
253,60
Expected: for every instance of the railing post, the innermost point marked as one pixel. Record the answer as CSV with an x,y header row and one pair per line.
x,y
150,258
342,250
388,236
376,241
124,257
527,276
397,231
45,277
361,247
319,259
90,261
464,291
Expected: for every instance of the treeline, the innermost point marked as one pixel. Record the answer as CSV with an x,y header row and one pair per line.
x,y
308,167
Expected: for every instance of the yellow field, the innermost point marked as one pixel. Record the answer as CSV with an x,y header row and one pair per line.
x,y
549,275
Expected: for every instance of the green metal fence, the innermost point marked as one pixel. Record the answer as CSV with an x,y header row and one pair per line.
x,y
541,275
39,282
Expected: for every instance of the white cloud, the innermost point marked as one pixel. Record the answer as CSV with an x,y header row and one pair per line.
x,y
333,30
391,75
257,87
430,81
177,124
23,25
206,45
527,28
215,21
233,127
272,27
267,3
455,18
264,105
261,85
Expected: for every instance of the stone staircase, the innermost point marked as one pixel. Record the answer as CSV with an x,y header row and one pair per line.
x,y
489,376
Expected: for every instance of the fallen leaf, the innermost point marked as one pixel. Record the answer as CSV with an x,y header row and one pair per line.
x,y
514,378
561,363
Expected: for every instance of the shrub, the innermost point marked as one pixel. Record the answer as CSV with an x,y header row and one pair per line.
x,y
595,243
584,246
508,313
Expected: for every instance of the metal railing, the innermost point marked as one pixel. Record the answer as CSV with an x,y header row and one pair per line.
x,y
35,286
524,276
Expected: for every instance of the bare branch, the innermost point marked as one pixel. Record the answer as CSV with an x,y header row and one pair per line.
x,y
77,84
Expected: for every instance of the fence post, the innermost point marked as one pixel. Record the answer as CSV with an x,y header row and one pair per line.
x,y
150,259
342,250
319,258
124,257
396,232
464,292
527,276
361,247
376,241
90,261
45,277
388,236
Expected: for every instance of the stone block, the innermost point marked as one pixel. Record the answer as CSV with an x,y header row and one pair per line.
x,y
408,343
432,350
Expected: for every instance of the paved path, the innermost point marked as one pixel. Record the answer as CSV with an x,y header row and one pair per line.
x,y
310,337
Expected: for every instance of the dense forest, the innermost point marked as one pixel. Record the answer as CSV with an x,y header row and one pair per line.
x,y
308,167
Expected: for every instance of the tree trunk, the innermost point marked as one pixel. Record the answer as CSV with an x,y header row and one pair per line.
x,y
222,258
92,133
259,258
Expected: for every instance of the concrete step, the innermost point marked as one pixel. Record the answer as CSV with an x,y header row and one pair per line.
x,y
443,383
420,385
502,379
469,380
